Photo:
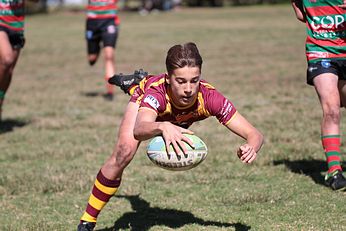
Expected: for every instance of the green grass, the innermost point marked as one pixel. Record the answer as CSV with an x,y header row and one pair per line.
x,y
59,130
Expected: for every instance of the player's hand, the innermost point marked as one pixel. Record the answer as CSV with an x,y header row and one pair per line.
x,y
173,135
343,5
246,153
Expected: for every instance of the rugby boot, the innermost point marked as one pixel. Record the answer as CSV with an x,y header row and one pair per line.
x,y
86,226
126,82
336,180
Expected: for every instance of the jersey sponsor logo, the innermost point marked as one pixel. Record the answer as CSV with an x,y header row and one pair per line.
x,y
111,29
325,63
311,69
328,22
152,101
89,34
317,54
226,108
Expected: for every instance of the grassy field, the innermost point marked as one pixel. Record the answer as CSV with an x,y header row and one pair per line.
x,y
58,130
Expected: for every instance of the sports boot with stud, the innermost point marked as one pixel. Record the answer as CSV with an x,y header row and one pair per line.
x,y
86,226
336,180
126,82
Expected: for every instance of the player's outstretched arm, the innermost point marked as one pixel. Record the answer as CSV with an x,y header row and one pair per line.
x,y
254,139
146,127
299,10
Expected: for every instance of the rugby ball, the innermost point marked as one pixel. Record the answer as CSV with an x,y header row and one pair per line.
x,y
156,151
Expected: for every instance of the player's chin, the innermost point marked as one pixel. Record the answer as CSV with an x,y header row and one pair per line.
x,y
185,101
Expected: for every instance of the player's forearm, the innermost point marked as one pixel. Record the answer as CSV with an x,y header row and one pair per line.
x,y
147,130
298,9
255,139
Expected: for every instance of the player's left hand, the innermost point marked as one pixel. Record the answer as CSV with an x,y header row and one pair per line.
x,y
246,153
343,5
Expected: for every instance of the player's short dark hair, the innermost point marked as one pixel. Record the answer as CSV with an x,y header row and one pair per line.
x,y
183,55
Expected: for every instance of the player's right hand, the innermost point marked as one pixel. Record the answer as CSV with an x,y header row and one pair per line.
x,y
173,135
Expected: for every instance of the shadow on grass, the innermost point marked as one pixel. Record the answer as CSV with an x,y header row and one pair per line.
x,y
8,125
144,217
312,168
92,94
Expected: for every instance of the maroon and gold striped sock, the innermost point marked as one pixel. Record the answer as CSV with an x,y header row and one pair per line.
x,y
102,191
331,146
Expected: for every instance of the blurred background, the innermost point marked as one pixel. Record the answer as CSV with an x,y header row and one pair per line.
x,y
143,6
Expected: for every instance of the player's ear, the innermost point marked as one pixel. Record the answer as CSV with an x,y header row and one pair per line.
x,y
168,79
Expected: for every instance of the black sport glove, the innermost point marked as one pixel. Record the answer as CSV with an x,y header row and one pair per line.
x,y
125,82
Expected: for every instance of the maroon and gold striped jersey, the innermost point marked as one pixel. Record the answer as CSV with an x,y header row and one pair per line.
x,y
153,93
12,14
326,30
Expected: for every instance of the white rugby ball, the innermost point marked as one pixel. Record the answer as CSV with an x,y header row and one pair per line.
x,y
156,151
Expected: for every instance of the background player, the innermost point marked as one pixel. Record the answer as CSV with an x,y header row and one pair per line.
x,y
326,56
11,41
167,104
102,28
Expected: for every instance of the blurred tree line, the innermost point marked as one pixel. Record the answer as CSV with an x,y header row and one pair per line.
x,y
219,3
44,6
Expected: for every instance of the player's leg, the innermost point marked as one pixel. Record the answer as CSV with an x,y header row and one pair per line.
x,y
108,178
8,60
342,82
326,86
92,37
109,39
109,52
342,91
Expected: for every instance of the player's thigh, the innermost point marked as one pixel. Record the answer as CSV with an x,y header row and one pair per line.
x,y
326,86
8,56
110,33
128,122
93,37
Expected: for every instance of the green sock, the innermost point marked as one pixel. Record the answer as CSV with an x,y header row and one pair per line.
x,y
2,94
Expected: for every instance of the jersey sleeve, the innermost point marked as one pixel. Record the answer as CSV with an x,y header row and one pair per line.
x,y
153,99
220,107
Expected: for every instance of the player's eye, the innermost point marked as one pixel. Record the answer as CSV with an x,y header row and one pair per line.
x,y
180,81
195,80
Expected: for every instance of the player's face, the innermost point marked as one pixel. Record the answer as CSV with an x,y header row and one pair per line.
x,y
184,84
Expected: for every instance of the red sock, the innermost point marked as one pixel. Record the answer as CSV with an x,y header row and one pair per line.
x,y
331,145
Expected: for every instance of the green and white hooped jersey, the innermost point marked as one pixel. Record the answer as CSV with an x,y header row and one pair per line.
x,y
326,30
12,14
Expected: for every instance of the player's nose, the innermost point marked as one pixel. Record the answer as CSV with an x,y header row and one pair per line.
x,y
188,88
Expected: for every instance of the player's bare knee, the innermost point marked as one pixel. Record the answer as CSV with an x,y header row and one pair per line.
x,y
109,59
7,62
